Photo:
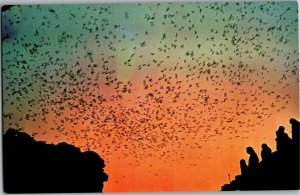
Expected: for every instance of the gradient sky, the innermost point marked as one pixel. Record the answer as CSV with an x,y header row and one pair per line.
x,y
168,94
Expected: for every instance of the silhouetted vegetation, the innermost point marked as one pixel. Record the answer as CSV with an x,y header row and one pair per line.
x,y
277,171
35,167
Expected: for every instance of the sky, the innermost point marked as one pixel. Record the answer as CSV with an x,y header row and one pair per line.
x,y
168,94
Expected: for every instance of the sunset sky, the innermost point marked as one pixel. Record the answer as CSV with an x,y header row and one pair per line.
x,y
168,94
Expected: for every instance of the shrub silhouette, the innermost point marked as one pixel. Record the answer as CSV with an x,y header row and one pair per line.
x,y
277,171
35,167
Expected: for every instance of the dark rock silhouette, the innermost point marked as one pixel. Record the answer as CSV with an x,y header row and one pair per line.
x,y
277,171
31,166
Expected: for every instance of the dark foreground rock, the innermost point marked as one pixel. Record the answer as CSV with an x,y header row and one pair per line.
x,y
31,166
